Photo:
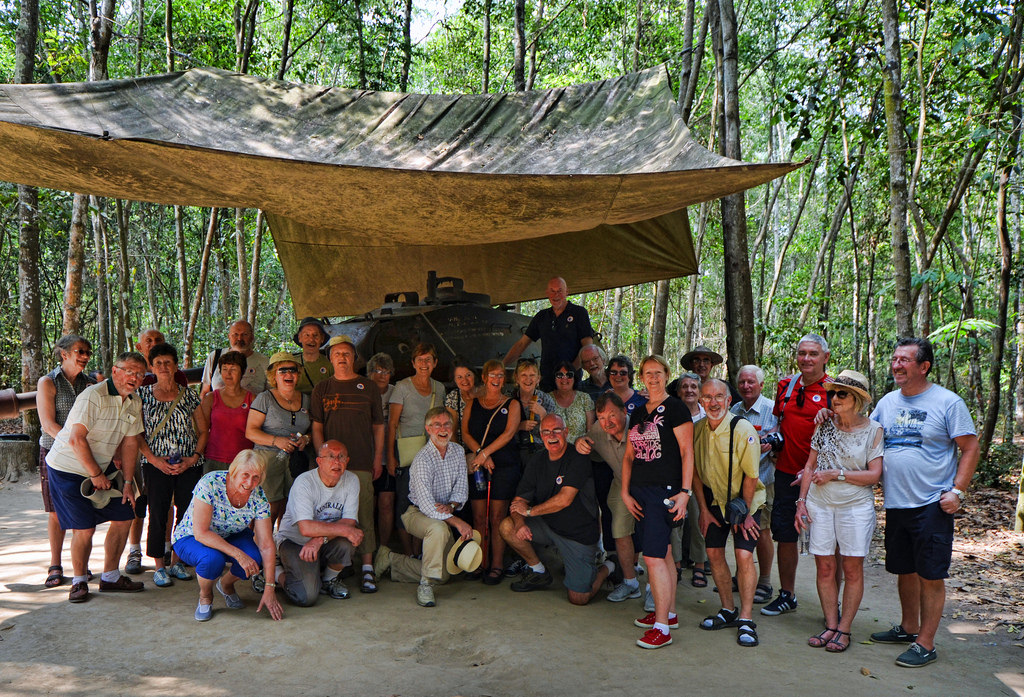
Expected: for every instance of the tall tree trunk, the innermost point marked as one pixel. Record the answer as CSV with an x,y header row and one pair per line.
x,y
897,142
362,46
243,281
660,316
739,299
245,32
124,328
638,36
204,267
616,323
487,47
179,246
140,36
148,272
254,273
686,100
76,266
169,35
286,35
532,76
102,291
224,276
403,80
519,45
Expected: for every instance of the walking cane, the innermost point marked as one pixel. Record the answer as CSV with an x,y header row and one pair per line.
x,y
487,519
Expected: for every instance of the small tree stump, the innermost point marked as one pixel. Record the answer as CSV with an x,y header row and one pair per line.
x,y
17,457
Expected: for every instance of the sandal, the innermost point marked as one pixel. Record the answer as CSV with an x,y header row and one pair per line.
x,y
369,584
700,577
763,593
835,644
54,576
746,633
493,576
724,618
818,640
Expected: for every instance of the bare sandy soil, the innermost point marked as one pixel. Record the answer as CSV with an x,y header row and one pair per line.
x,y
479,641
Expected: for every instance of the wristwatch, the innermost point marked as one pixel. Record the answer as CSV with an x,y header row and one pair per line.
x,y
684,490
959,494
529,511
842,476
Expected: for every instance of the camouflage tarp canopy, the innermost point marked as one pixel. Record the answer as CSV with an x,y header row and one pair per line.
x,y
367,191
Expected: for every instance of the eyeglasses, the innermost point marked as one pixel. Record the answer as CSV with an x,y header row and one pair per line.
x,y
552,431
564,376
339,457
83,352
288,369
381,371
714,397
495,375
900,360
618,373
423,360
131,373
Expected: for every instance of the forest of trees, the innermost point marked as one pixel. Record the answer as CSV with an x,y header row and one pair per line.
x,y
906,219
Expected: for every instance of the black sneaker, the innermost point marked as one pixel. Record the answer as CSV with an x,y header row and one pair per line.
x,y
516,568
532,581
786,602
334,588
916,656
896,635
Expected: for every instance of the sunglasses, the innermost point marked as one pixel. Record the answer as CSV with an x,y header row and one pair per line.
x,y
288,369
564,376
842,394
619,373
800,397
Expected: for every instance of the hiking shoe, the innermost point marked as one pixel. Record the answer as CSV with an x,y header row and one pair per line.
x,y
532,581
180,572
123,584
334,588
654,639
202,615
648,599
382,561
425,595
896,635
786,602
647,621
134,564
79,592
162,579
516,568
916,656
230,599
624,591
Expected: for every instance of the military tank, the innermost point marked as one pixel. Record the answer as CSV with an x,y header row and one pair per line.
x,y
457,322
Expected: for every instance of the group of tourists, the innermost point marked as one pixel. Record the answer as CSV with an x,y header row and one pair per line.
x,y
295,471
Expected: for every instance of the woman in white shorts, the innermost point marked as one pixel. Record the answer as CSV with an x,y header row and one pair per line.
x,y
835,496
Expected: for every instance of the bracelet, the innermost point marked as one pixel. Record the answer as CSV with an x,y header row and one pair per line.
x,y
801,500
270,584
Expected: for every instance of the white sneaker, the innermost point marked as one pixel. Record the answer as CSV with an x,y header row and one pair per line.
x,y
624,591
648,599
425,595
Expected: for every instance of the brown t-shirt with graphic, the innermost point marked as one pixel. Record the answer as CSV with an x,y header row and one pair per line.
x,y
348,410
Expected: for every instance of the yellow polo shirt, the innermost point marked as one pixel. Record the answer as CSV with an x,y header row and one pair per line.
x,y
711,458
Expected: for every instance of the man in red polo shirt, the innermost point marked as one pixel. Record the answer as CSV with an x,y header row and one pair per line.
x,y
797,400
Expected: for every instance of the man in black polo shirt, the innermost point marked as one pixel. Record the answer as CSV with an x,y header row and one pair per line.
x,y
563,329
555,505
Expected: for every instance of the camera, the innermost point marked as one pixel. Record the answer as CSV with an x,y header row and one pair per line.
x,y
774,440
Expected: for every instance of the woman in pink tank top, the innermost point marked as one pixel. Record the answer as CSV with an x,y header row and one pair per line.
x,y
226,411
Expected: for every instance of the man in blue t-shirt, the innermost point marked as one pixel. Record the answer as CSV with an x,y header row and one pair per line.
x,y
925,484
563,329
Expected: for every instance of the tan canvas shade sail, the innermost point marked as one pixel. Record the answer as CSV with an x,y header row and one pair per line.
x,y
416,182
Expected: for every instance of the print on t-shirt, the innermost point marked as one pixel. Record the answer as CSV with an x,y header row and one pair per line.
x,y
647,443
906,428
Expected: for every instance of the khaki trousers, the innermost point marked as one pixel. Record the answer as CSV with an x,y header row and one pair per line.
x,y
437,540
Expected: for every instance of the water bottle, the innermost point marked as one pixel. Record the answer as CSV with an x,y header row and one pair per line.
x,y
805,537
174,459
480,480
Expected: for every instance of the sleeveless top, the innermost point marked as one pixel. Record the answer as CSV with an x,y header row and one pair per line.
x,y
64,399
508,455
227,428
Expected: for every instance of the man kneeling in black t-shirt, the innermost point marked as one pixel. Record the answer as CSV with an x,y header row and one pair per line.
x,y
555,505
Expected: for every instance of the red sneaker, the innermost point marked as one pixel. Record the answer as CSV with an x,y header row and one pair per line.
x,y
654,639
647,621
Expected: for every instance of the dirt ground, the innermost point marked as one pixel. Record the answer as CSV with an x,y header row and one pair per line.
x,y
479,640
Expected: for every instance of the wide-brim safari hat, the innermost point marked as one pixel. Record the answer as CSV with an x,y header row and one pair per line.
x,y
101,497
465,555
851,381
687,360
282,357
307,321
